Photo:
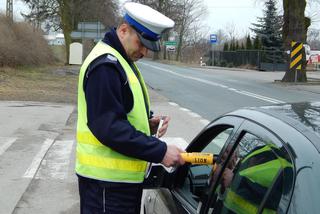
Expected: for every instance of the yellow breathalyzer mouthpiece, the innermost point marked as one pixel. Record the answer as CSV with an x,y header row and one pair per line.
x,y
198,158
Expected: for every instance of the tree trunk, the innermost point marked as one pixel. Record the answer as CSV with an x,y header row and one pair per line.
x,y
165,38
295,28
164,52
179,47
66,24
156,55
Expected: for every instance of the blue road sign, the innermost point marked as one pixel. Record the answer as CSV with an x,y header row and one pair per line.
x,y
213,38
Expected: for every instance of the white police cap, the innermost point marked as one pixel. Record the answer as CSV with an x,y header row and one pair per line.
x,y
148,23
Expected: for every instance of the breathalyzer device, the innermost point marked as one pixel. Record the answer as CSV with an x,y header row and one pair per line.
x,y
198,158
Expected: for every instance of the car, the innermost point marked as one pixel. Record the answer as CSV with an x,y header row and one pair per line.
x,y
266,161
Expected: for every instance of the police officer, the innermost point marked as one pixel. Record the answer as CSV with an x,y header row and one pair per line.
x,y
259,171
114,128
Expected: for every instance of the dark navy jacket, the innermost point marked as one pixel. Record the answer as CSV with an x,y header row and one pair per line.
x,y
109,99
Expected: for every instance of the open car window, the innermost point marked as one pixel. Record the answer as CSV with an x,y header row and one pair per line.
x,y
251,178
195,183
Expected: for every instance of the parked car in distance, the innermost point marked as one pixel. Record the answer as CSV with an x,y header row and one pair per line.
x,y
268,161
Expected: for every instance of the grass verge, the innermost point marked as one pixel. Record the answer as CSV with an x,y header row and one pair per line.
x,y
44,84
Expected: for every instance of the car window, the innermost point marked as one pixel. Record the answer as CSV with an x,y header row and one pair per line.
x,y
196,181
251,179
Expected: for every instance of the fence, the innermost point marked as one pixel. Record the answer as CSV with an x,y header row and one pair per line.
x,y
262,60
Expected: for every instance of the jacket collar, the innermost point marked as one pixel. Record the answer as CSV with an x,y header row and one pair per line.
x,y
111,38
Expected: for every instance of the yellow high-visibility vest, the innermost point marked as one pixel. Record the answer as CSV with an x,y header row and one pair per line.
x,y
95,160
262,174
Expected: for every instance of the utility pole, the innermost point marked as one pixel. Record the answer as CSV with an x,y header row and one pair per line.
x,y
9,11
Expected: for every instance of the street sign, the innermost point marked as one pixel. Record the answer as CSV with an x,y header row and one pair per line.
x,y
87,35
89,30
171,48
171,43
296,56
90,26
213,38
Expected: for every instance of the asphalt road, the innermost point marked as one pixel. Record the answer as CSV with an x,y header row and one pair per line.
x,y
37,140
212,92
36,158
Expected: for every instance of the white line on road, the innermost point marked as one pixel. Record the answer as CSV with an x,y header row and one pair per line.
x,y
185,109
37,159
173,104
205,122
193,114
57,161
246,93
177,141
268,99
5,143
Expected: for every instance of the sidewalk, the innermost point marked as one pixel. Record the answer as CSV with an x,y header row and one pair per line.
x,y
184,124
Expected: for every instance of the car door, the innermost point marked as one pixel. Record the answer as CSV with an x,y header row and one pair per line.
x,y
188,186
256,177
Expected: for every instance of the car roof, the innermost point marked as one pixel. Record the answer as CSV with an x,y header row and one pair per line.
x,y
303,116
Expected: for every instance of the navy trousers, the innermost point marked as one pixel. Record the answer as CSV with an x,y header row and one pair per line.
x,y
109,197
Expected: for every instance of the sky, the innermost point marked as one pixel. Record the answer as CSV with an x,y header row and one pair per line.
x,y
240,13
221,13
18,7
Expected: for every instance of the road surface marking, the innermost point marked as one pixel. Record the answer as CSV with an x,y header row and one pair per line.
x,y
246,93
56,163
5,143
173,104
192,114
268,99
184,109
177,141
37,159
205,122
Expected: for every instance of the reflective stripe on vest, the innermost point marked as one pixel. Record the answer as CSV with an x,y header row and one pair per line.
x,y
264,173
239,205
261,174
95,160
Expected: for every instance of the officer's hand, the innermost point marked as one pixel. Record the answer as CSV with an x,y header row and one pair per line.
x,y
154,122
172,156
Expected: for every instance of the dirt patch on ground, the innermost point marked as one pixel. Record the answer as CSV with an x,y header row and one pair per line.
x,y
44,84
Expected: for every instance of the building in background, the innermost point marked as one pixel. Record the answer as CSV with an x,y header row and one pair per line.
x,y
55,39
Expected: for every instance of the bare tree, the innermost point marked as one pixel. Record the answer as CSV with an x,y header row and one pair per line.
x,y
196,43
185,13
190,15
232,35
105,11
65,14
314,38
169,8
231,31
221,37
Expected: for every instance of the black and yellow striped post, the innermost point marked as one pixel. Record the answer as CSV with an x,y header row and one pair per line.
x,y
296,57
